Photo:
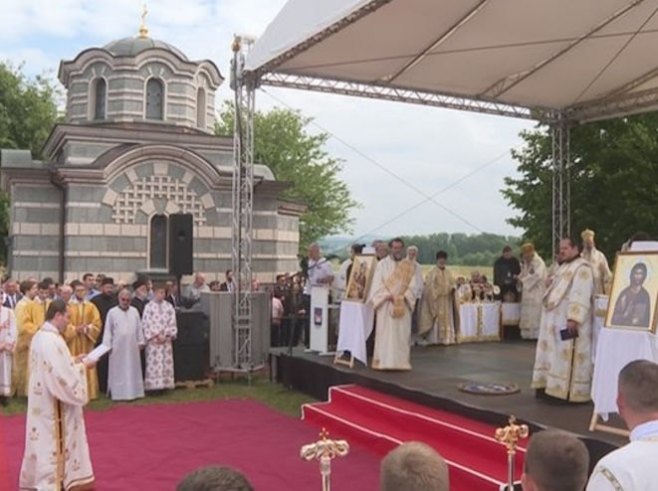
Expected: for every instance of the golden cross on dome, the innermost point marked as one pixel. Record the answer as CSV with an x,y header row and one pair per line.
x,y
143,30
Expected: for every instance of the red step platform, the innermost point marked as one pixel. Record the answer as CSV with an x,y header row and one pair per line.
x,y
381,422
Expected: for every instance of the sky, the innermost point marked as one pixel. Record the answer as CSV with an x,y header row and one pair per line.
x,y
394,155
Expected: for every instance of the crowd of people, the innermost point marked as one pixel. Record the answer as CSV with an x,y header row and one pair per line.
x,y
49,332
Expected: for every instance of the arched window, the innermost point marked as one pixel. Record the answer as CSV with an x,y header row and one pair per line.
x,y
201,109
154,99
100,94
158,242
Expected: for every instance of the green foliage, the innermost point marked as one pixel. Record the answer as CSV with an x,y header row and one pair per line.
x,y
467,250
27,115
282,143
614,182
27,110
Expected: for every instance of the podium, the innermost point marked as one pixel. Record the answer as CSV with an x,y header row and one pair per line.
x,y
356,324
321,318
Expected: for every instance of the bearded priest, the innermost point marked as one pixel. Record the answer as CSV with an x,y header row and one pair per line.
x,y
393,296
563,361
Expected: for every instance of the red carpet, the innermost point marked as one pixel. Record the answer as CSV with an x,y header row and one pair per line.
x,y
152,447
476,460
4,460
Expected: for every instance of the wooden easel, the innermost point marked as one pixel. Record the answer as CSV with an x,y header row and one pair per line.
x,y
338,359
594,425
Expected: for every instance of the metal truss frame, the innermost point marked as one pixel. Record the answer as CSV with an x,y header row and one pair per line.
x,y
396,94
242,206
561,135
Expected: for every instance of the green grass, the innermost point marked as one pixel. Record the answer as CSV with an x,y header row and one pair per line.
x,y
271,394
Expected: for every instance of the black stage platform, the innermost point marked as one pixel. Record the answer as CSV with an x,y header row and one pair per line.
x,y
437,372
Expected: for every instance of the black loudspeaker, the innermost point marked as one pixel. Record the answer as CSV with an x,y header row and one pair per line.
x,y
181,244
191,347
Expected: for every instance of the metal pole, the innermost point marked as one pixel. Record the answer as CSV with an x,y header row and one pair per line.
x,y
243,186
561,193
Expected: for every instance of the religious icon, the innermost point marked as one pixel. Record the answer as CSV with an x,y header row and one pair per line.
x,y
358,284
634,292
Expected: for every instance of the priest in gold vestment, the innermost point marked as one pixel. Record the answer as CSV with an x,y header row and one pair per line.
x,y
30,314
532,283
438,307
393,297
56,452
598,261
82,332
563,367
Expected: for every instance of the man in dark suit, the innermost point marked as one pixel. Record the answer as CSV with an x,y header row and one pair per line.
x,y
12,295
228,285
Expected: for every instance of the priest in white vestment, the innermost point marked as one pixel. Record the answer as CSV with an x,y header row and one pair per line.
x,y
124,336
8,337
438,308
632,467
159,322
56,451
598,261
393,298
563,360
532,282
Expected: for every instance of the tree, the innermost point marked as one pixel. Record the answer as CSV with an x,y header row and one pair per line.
x,y
614,182
27,110
282,142
27,115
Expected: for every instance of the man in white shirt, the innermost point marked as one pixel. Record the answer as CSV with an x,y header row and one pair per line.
x,y
631,468
319,273
197,287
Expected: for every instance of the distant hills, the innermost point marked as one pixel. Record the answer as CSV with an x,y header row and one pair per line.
x,y
463,249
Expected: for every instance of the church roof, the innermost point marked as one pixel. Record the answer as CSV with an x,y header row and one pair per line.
x,y
132,46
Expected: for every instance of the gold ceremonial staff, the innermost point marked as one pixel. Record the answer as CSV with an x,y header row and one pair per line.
x,y
325,451
510,436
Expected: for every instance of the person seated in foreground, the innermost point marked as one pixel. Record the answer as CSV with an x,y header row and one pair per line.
x,y
414,466
555,461
215,478
631,467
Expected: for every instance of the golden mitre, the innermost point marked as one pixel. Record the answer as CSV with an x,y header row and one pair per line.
x,y
528,247
587,234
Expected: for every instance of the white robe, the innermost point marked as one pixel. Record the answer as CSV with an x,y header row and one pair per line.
x,y
392,336
159,321
56,449
631,467
564,368
533,286
602,273
8,337
123,335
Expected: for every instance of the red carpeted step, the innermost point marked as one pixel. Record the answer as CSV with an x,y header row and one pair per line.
x,y
381,422
433,423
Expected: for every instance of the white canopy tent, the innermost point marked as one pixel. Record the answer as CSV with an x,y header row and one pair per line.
x,y
559,61
581,60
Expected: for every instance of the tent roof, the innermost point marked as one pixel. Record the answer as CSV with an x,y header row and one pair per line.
x,y
586,59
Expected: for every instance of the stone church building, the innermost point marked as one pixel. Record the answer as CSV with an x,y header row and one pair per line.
x,y
137,145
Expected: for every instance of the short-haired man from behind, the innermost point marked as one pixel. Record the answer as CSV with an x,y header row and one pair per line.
x,y
555,461
414,466
214,478
632,467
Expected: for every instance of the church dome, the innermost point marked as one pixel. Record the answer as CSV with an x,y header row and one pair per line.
x,y
132,46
